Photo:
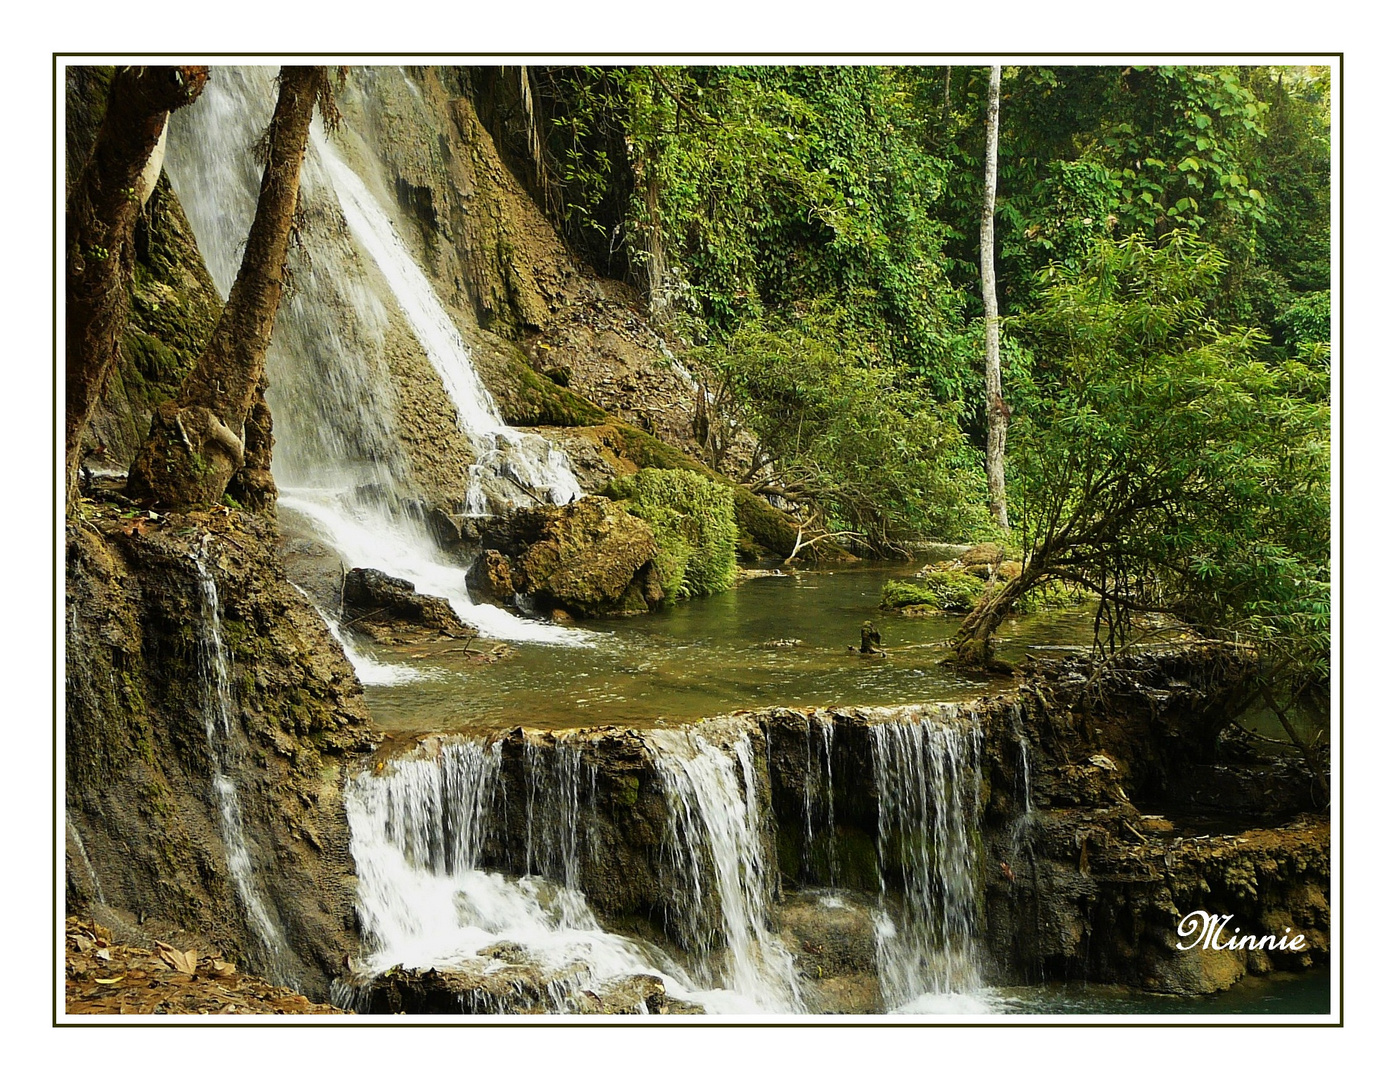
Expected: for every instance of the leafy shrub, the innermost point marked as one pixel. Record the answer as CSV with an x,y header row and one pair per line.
x,y
1048,595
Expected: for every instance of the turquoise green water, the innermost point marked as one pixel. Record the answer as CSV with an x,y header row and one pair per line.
x,y
711,656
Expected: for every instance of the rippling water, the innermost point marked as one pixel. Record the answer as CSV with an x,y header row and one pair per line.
x,y
711,656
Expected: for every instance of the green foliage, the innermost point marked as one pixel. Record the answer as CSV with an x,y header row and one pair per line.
x,y
815,231
847,436
755,190
693,523
1308,320
1048,595
1162,466
763,530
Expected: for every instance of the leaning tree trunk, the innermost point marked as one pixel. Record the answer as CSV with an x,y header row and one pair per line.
x,y
252,485
196,441
103,205
974,641
995,406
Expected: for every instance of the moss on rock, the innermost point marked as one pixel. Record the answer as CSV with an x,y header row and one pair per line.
x,y
693,523
947,590
762,529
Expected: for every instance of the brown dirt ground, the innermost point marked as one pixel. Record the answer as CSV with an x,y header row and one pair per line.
x,y
106,978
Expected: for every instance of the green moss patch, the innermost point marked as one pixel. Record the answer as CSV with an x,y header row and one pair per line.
x,y
694,524
947,590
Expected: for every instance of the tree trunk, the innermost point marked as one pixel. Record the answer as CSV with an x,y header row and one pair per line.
x,y
102,209
252,485
995,406
974,644
196,442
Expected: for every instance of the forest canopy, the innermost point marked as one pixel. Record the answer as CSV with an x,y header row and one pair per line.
x,y
1161,242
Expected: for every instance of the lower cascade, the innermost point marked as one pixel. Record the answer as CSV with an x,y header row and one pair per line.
x,y
475,853
716,846
419,828
927,775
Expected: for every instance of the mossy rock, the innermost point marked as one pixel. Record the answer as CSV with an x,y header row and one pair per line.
x,y
762,529
591,558
945,590
693,523
525,397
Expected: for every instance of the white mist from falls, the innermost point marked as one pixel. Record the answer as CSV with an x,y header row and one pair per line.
x,y
339,463
218,727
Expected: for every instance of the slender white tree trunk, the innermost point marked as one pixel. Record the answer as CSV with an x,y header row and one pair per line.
x,y
996,409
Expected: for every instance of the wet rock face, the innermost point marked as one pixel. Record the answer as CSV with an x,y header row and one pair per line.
x,y
1140,816
591,558
391,609
146,849
832,937
518,987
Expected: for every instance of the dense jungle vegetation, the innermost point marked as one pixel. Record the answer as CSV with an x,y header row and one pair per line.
x,y
1161,247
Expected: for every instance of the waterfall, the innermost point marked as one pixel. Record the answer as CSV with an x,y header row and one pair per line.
x,y
717,851
1022,824
820,858
927,773
81,849
529,460
339,461
217,709
370,672
419,829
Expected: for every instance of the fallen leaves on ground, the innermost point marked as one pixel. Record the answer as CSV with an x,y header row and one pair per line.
x,y
104,977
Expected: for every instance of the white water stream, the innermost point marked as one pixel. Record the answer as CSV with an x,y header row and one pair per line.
x,y
419,829
339,462
717,847
218,726
927,776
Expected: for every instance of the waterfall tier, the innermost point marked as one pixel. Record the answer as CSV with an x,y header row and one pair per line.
x,y
358,339
532,848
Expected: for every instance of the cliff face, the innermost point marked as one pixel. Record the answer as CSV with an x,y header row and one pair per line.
x,y
528,305
151,847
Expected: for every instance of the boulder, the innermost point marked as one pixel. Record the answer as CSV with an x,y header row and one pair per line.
x,y
491,579
590,558
392,610
982,555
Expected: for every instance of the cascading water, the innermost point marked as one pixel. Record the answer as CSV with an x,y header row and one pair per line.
x,y
820,858
218,726
418,834
81,849
1022,825
529,460
371,672
927,775
339,461
717,850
